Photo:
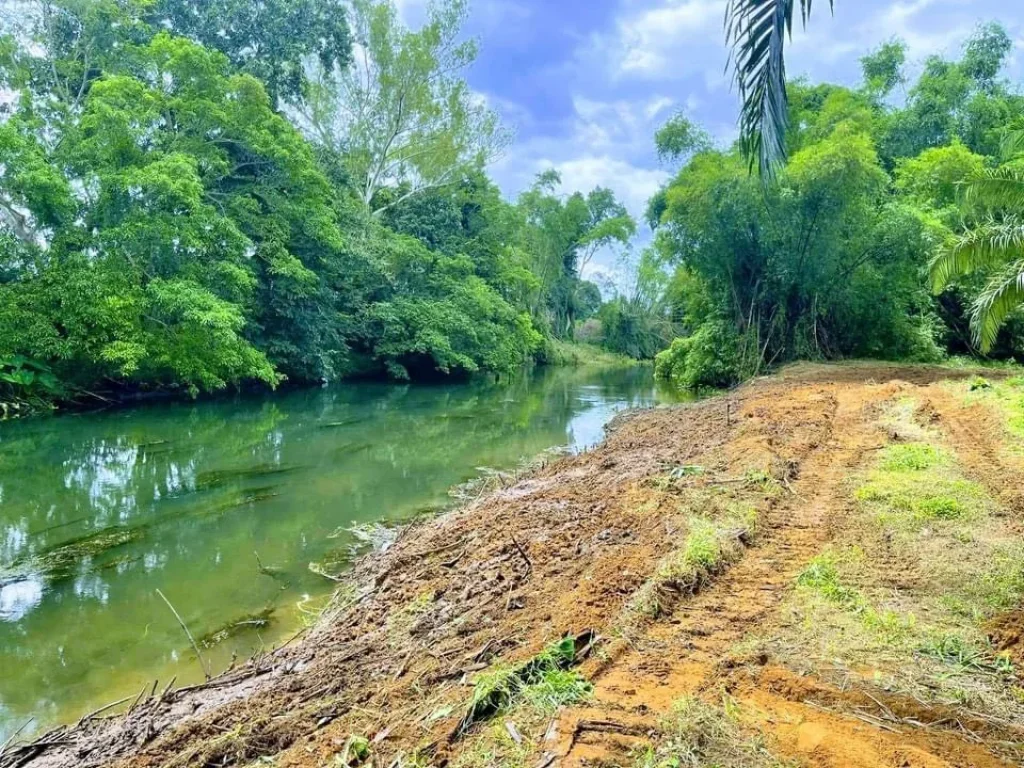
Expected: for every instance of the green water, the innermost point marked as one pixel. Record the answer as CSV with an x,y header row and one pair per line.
x,y
98,511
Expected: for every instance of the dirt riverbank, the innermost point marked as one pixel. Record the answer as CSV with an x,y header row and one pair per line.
x,y
819,569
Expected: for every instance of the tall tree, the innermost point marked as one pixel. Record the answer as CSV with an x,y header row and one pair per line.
x,y
403,116
269,39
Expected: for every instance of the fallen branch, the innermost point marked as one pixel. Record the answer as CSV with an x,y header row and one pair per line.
x,y
195,646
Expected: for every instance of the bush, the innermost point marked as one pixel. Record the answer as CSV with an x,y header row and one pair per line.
x,y
710,358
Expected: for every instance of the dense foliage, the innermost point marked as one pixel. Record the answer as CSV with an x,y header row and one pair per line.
x,y
829,257
201,195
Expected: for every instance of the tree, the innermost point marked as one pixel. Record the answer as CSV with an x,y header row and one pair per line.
x,y
402,117
563,234
995,246
679,138
170,209
883,68
270,39
985,54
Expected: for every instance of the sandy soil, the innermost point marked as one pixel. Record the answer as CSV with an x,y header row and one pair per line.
x,y
561,552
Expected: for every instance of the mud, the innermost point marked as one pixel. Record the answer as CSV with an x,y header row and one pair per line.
x,y
560,553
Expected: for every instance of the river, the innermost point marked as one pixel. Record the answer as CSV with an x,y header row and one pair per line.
x,y
224,505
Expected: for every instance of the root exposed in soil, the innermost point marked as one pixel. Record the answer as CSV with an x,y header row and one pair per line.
x,y
672,556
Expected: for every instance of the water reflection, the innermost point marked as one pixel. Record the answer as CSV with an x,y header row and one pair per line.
x,y
224,505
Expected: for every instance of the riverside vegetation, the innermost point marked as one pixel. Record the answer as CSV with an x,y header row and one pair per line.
x,y
820,567
183,211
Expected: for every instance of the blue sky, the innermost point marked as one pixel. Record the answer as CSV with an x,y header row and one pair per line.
x,y
585,83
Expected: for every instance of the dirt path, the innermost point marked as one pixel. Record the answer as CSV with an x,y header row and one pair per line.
x,y
692,651
564,552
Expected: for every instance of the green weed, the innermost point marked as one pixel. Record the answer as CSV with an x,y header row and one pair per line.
x,y
708,546
699,735
910,499
822,575
911,457
955,650
544,682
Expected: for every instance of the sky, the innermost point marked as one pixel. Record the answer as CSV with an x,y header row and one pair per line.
x,y
586,83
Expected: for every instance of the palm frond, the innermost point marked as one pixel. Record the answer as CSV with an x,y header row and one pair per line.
x,y
756,31
1012,144
988,245
1003,294
997,188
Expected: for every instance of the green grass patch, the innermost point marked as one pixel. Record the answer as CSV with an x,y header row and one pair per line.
x,y
911,457
909,499
545,683
578,354
822,576
709,546
701,735
525,697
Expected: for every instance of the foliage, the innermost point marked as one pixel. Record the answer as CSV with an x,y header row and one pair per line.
x,y
707,359
756,30
166,224
993,245
401,117
440,315
270,40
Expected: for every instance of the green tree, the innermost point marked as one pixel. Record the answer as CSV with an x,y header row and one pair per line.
x,y
563,234
176,203
270,39
883,68
402,117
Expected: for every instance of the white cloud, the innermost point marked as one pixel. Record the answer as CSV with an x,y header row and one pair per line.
x,y
633,185
659,41
660,104
652,41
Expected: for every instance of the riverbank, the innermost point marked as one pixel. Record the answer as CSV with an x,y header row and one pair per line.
x,y
821,567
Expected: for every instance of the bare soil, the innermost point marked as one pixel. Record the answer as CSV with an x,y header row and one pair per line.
x,y
561,552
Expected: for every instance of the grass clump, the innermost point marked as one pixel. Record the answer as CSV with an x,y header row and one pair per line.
x,y
911,457
545,683
709,546
822,576
700,735
967,655
526,696
911,496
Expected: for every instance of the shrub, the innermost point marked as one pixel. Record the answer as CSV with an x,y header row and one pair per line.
x,y
710,358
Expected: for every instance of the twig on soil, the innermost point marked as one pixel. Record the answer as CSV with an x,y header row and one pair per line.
x,y
137,700
195,646
522,552
104,708
167,688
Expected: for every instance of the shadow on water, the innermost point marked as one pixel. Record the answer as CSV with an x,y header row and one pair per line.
x,y
224,505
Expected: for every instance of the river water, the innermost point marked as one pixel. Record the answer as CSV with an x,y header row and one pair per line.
x,y
224,505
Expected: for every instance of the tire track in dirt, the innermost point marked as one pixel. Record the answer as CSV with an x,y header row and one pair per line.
x,y
683,654
979,437
691,651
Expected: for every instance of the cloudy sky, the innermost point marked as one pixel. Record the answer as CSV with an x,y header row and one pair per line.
x,y
585,83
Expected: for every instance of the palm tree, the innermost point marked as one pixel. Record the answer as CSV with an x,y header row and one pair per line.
x,y
757,30
996,245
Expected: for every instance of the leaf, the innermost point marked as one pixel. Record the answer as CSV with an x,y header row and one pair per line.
x,y
756,30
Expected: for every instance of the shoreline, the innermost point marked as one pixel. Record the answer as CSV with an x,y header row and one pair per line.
x,y
578,548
